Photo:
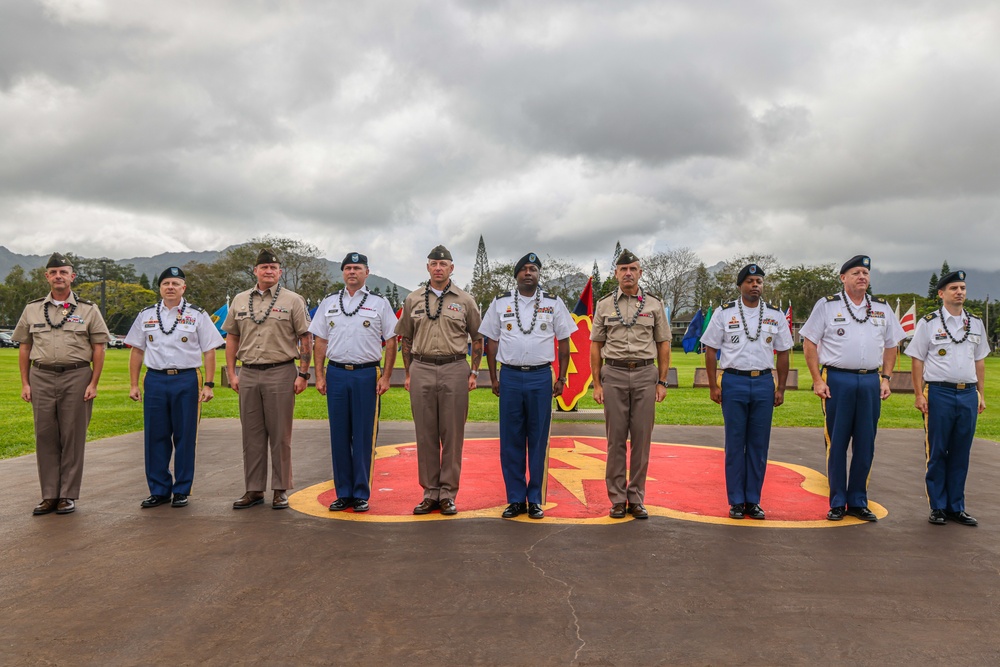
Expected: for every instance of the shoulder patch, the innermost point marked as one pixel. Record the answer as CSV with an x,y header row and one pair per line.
x,y
726,306
833,297
878,299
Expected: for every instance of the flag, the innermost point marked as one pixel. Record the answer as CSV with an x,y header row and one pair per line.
x,y
219,317
585,305
704,325
788,317
694,331
909,320
312,311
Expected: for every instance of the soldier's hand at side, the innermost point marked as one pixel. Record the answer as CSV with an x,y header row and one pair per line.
x,y
779,397
383,384
821,389
920,403
321,385
715,393
495,383
300,385
884,390
473,381
135,393
661,393
234,382
207,394
982,404
406,383
26,393
89,393
599,395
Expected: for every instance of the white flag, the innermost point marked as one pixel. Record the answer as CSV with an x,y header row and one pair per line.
x,y
909,321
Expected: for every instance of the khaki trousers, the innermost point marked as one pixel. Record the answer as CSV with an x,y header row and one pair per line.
x,y
629,410
439,399
61,420
267,407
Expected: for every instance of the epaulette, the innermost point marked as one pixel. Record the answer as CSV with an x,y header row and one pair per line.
x,y
605,297
731,304
89,303
327,296
149,307
198,308
973,315
833,297
773,307
41,298
381,296
505,295
878,299
930,316
546,295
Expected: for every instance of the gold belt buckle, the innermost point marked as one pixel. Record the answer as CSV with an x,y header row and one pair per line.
x,y
862,371
171,371
632,365
960,385
348,367
754,374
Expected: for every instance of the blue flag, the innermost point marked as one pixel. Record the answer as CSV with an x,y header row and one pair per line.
x,y
219,317
693,334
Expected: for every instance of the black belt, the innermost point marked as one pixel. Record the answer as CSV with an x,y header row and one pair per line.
x,y
439,361
170,371
59,368
264,367
526,368
752,374
953,385
855,371
620,363
354,367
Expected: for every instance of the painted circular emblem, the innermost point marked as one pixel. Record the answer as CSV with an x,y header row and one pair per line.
x,y
684,482
942,352
542,326
532,257
840,332
753,268
366,324
184,339
769,339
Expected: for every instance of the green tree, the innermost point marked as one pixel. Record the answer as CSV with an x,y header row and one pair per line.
x,y
123,300
484,285
802,286
18,288
91,269
704,284
144,281
932,287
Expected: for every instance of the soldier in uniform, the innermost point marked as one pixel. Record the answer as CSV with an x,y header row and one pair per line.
x,y
748,332
61,335
525,349
351,327
268,330
435,328
948,351
849,340
171,337
629,334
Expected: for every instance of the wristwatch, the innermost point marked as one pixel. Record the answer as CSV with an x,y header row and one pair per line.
x,y
563,380
304,376
210,385
662,382
886,377
474,373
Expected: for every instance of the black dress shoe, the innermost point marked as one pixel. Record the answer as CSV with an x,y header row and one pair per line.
x,y
68,506
617,511
754,511
360,505
862,513
180,500
341,504
736,511
938,517
448,507
535,511
835,514
47,506
513,510
962,518
638,511
154,501
426,506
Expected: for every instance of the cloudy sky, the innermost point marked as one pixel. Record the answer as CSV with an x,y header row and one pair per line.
x,y
813,131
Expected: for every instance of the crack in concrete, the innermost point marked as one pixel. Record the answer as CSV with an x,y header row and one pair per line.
x,y
569,590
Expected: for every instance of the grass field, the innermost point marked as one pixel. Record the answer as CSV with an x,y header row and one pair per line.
x,y
115,414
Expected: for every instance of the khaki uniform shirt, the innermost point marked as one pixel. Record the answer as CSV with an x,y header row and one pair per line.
x,y
276,340
630,343
69,344
447,335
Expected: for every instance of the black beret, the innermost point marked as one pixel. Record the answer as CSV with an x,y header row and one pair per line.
x,y
626,258
172,272
864,261
354,258
267,256
530,258
953,277
749,270
57,260
440,252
